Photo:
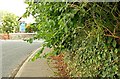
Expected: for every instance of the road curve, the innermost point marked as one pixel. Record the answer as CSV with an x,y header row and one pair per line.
x,y
14,52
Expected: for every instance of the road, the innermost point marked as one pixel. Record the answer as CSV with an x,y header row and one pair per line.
x,y
14,52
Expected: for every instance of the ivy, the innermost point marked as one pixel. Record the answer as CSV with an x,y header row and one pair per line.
x,y
87,33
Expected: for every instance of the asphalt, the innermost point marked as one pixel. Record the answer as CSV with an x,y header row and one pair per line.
x,y
14,52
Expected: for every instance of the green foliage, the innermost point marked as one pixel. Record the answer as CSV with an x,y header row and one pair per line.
x,y
87,33
9,23
38,54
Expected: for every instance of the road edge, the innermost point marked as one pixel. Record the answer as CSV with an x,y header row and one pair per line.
x,y
16,72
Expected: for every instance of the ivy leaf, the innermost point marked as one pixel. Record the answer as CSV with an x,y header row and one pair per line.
x,y
33,59
66,29
29,40
116,50
114,43
109,40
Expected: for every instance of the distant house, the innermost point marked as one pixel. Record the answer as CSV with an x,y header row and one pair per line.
x,y
25,23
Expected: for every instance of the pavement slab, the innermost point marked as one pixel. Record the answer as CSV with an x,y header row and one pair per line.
x,y
37,68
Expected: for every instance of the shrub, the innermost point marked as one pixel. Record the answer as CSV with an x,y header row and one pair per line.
x,y
88,33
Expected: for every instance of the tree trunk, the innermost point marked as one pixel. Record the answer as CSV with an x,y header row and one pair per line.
x,y
6,36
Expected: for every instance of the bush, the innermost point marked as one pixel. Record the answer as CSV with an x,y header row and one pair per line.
x,y
88,33
9,22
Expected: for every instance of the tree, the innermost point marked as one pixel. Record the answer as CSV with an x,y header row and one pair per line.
x,y
9,23
87,33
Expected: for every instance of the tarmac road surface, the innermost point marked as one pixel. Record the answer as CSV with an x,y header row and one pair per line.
x,y
14,52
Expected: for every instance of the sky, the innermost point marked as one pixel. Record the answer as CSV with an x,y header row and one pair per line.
x,y
18,7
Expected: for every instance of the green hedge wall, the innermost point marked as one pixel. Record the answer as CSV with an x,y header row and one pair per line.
x,y
87,33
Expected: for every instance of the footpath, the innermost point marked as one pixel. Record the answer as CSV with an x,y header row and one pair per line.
x,y
37,68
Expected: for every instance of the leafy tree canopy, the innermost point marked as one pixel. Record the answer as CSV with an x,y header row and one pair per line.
x,y
9,22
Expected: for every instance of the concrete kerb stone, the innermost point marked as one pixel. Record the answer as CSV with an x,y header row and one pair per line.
x,y
17,72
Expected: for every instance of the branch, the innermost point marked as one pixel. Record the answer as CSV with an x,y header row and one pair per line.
x,y
113,36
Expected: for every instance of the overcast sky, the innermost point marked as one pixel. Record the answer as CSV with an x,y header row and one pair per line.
x,y
17,7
